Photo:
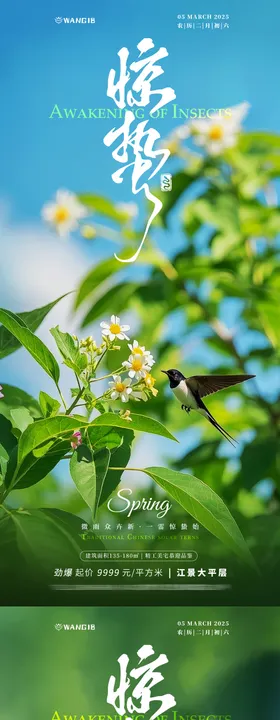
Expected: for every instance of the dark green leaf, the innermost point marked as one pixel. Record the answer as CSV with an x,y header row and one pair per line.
x,y
96,277
33,344
205,506
117,297
120,458
31,319
41,539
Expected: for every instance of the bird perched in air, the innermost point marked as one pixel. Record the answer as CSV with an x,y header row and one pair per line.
x,y
189,392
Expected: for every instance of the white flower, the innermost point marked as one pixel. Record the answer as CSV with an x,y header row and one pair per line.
x,y
1,394
137,366
64,213
216,134
172,141
137,349
115,329
120,388
130,209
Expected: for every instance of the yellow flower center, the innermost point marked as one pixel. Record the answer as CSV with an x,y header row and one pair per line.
x,y
136,364
61,214
120,387
137,351
115,329
216,132
149,380
88,232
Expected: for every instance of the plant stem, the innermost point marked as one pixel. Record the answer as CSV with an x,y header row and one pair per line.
x,y
104,377
128,468
61,397
75,402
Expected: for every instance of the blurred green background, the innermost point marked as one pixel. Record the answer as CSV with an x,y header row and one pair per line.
x,y
236,675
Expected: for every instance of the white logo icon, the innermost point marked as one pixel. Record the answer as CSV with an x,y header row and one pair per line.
x,y
58,20
58,626
166,182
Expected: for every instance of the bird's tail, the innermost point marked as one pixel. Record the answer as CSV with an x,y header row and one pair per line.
x,y
224,432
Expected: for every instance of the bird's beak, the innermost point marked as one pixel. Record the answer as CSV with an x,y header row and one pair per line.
x,y
165,372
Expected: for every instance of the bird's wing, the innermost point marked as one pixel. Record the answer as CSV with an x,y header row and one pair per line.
x,y
208,384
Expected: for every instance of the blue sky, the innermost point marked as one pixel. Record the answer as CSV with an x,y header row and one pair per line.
x,y
44,64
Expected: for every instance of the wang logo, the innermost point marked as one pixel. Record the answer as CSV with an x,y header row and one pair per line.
x,y
79,20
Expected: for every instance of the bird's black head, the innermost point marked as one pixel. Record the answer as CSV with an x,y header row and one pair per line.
x,y
174,376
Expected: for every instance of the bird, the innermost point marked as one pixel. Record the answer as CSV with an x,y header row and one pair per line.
x,y
190,391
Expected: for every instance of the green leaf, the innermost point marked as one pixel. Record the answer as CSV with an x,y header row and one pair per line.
x,y
88,471
83,473
117,297
36,466
269,316
8,440
43,430
49,405
69,351
257,461
37,541
101,459
120,458
96,277
21,418
205,506
110,440
139,423
34,345
181,181
204,454
31,319
102,206
16,398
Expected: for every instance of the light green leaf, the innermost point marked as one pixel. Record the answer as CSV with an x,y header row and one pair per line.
x,y
205,506
16,398
139,423
43,430
70,353
21,418
49,405
34,345
269,317
31,319
102,206
110,440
